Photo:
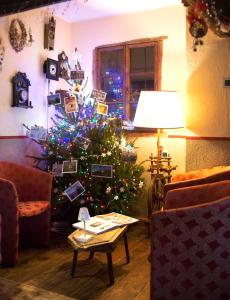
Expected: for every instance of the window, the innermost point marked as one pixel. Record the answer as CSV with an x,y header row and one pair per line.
x,y
123,70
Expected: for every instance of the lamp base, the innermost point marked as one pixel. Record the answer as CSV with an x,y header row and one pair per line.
x,y
83,238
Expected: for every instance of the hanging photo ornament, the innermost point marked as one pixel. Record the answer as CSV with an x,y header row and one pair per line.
x,y
2,54
17,35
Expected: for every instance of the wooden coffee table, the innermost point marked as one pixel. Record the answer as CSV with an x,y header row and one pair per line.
x,y
105,242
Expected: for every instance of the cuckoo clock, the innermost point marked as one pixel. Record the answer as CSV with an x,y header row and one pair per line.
x,y
49,34
21,91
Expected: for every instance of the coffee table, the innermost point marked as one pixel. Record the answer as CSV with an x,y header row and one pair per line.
x,y
105,243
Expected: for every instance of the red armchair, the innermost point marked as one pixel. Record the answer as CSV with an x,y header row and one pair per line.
x,y
25,196
190,244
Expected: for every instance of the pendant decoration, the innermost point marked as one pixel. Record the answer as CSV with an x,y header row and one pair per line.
x,y
2,54
207,14
17,35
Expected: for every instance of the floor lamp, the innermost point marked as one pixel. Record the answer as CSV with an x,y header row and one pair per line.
x,y
159,110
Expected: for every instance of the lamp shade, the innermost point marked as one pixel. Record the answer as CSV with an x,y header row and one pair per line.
x,y
159,109
83,214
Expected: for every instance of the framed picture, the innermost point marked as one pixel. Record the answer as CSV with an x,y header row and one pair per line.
x,y
70,166
77,75
102,109
57,170
51,69
37,133
105,171
74,191
98,95
54,99
70,103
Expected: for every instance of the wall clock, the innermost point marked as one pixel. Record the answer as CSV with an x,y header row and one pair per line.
x,y
51,69
49,34
21,91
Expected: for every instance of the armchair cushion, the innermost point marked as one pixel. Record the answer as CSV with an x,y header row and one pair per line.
x,y
32,208
190,252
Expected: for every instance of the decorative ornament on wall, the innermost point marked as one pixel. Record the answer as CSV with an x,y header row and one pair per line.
x,y
17,35
21,91
64,66
49,35
208,14
2,54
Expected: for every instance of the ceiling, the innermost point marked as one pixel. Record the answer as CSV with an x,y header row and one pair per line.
x,y
80,10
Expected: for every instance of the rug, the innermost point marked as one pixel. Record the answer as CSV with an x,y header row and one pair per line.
x,y
12,290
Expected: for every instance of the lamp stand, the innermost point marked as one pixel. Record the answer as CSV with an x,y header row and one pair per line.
x,y
160,169
83,238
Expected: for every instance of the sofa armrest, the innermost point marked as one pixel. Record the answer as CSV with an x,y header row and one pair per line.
x,y
31,184
190,252
194,195
192,182
9,222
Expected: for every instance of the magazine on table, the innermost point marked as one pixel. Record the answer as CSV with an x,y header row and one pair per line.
x,y
102,223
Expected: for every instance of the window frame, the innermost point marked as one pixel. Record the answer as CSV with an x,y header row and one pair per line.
x,y
157,43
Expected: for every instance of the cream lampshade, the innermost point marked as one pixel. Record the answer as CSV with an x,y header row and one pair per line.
x,y
158,109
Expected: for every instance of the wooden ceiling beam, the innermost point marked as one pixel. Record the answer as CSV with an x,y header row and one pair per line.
x,y
8,7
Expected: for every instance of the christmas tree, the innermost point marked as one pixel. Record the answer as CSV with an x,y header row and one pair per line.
x,y
88,155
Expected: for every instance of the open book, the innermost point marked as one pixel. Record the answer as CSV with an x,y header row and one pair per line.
x,y
102,223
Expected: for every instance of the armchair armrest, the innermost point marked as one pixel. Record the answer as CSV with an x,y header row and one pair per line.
x,y
194,195
192,182
9,222
190,252
31,184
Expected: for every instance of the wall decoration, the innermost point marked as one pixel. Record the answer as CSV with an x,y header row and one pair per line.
x,y
64,66
21,91
204,14
17,35
30,40
49,35
2,54
54,99
51,69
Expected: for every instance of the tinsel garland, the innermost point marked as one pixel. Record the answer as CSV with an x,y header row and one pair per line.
x,y
17,39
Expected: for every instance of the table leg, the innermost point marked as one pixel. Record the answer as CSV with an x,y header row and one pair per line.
x,y
126,247
75,253
110,268
91,255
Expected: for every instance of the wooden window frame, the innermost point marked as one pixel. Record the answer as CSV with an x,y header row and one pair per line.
x,y
126,46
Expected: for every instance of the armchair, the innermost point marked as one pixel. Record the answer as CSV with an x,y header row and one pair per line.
x,y
190,244
25,196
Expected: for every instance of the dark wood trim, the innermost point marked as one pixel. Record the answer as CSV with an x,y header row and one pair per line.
x,y
8,7
203,138
136,41
13,137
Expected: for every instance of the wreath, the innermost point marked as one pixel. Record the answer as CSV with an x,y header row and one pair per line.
x,y
17,35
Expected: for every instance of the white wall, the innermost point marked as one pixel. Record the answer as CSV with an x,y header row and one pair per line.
x,y
30,61
168,22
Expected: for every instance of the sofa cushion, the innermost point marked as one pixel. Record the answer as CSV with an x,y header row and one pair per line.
x,y
32,208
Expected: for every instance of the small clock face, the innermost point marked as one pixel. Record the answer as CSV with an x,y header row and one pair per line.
x,y
23,96
53,69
